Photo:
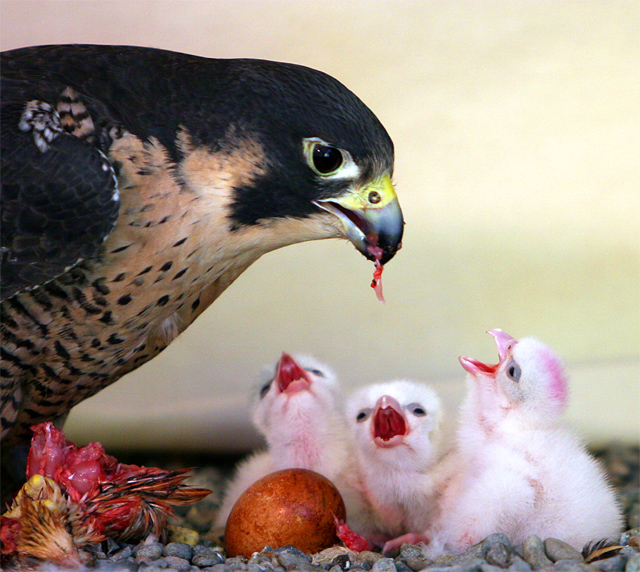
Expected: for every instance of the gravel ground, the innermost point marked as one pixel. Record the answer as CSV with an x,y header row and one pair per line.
x,y
193,546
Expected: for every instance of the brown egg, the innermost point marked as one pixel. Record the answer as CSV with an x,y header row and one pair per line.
x,y
294,506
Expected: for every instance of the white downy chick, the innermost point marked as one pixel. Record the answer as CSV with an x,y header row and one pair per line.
x,y
516,468
297,408
397,432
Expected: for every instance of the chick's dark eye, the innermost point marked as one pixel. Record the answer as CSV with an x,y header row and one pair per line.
x,y
316,372
514,371
326,159
362,416
417,410
265,389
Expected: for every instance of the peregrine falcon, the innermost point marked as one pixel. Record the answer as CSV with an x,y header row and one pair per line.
x,y
138,184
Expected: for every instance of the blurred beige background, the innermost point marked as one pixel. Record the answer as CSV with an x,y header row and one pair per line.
x,y
516,127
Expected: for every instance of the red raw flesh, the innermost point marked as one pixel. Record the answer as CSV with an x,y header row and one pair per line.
x,y
9,532
376,283
114,500
388,423
352,540
377,253
48,450
77,469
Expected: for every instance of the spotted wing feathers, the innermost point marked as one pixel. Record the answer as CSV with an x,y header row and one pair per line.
x,y
59,195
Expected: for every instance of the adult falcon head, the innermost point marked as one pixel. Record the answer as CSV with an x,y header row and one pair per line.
x,y
139,183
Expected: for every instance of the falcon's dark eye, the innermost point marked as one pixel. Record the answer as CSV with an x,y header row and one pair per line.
x,y
513,371
326,159
265,389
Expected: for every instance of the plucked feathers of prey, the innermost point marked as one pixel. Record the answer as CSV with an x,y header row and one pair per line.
x,y
137,184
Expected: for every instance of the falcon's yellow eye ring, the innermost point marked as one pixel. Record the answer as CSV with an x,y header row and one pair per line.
x,y
327,160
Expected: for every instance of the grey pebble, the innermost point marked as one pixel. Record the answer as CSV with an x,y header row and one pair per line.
x,y
558,550
335,568
293,550
476,566
486,567
367,557
150,551
341,561
302,567
265,558
518,564
471,558
156,566
569,566
205,559
533,551
122,566
179,549
614,564
384,565
111,546
495,538
290,559
217,568
202,549
414,557
180,564
236,563
263,566
498,554
631,538
402,567
122,553
633,564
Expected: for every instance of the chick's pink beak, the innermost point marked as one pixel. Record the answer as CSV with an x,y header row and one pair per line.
x,y
290,377
389,423
504,343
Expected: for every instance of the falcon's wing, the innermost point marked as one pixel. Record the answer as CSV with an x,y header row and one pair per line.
x,y
59,194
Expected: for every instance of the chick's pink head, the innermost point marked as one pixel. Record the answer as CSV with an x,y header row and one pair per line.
x,y
557,381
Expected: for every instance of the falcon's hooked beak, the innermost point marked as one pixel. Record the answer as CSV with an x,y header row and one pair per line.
x,y
371,217
504,343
